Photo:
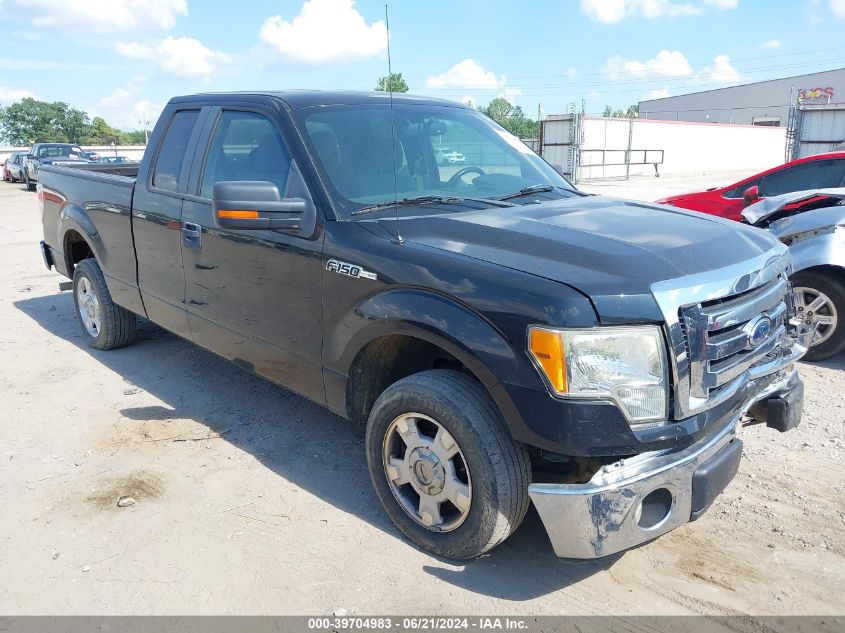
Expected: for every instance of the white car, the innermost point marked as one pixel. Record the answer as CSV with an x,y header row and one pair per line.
x,y
446,156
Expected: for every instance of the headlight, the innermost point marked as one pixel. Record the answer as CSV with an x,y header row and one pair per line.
x,y
623,364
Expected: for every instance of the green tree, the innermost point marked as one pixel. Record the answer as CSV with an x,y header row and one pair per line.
x,y
632,112
511,117
392,83
101,133
31,121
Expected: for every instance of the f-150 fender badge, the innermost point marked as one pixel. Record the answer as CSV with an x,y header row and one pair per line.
x,y
350,270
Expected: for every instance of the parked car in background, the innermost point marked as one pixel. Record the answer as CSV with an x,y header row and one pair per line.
x,y
812,225
446,156
13,167
811,172
50,154
92,156
113,160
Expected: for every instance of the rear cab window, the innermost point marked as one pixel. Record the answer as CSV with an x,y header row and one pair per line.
x,y
172,150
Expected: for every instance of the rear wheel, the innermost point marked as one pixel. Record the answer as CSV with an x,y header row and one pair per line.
x,y
104,324
444,465
820,304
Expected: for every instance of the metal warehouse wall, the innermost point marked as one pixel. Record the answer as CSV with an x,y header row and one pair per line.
x,y
741,104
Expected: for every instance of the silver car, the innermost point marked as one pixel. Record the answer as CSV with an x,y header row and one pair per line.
x,y
812,224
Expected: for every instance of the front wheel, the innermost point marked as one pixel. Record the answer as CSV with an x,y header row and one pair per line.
x,y
444,465
104,324
30,186
820,304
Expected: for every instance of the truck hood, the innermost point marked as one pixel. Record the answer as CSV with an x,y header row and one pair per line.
x,y
604,247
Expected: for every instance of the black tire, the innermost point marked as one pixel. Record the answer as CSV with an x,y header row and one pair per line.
x,y
30,186
499,467
835,290
117,324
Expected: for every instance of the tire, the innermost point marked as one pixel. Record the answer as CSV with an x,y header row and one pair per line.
x,y
115,325
810,284
30,186
494,469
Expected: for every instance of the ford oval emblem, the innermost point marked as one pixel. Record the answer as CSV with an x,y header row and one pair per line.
x,y
758,331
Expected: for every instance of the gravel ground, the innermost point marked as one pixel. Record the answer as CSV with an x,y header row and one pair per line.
x,y
252,500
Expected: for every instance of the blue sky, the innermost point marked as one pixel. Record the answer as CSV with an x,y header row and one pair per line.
x,y
123,59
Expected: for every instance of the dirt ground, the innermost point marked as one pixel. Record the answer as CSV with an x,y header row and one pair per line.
x,y
252,500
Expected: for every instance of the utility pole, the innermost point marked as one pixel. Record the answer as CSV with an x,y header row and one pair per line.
x,y
145,123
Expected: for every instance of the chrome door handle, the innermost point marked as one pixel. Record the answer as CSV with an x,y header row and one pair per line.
x,y
191,234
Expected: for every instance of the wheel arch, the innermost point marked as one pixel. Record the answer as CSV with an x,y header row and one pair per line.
x,y
401,332
78,236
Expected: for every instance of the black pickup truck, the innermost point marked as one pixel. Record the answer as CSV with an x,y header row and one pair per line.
x,y
506,337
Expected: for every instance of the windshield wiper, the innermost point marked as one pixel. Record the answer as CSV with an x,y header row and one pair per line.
x,y
420,200
526,191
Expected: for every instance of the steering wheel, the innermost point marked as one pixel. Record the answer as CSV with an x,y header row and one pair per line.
x,y
472,169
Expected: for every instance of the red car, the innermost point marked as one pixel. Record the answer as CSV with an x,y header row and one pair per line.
x,y
821,171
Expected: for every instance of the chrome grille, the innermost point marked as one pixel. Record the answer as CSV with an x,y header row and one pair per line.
x,y
709,317
719,333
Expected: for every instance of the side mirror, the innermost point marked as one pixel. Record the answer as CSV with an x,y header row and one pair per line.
x,y
30,156
257,205
751,195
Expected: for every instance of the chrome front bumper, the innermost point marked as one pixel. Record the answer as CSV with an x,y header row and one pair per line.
x,y
640,498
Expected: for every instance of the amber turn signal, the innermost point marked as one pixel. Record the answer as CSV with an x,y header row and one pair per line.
x,y
230,213
547,349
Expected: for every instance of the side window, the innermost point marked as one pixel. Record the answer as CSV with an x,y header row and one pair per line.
x,y
739,192
245,146
813,175
174,146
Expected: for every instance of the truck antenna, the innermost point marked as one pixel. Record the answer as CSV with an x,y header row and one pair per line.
x,y
398,239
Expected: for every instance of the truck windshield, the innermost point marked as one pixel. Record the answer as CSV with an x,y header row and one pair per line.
x,y
55,151
432,152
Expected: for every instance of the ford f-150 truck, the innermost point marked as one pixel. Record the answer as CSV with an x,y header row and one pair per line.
x,y
506,337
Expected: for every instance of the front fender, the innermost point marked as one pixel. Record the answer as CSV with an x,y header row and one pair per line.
x,y
456,328
827,249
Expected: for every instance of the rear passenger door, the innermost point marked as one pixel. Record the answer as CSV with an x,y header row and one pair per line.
x,y
253,296
156,218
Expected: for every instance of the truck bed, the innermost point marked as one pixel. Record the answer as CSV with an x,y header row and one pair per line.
x,y
93,200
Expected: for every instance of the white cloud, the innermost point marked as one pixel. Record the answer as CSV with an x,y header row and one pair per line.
x,y
659,93
771,44
10,95
469,74
103,16
510,93
325,31
722,72
116,97
664,64
838,8
177,56
614,11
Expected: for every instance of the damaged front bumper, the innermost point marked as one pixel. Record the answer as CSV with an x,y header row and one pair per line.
x,y
640,498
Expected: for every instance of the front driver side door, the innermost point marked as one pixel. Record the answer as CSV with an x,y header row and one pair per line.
x,y
253,296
